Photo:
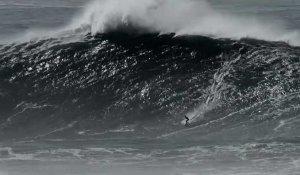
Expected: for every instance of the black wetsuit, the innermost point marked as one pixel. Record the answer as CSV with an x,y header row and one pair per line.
x,y
187,121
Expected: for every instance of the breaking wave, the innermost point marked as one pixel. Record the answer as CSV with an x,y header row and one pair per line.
x,y
137,67
125,84
183,17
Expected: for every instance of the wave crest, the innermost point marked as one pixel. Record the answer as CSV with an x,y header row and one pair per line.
x,y
182,17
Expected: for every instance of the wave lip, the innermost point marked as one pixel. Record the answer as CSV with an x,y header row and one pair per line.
x,y
183,17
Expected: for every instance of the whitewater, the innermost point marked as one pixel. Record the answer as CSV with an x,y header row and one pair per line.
x,y
103,87
187,17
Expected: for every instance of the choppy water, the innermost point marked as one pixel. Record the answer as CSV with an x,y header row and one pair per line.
x,y
106,91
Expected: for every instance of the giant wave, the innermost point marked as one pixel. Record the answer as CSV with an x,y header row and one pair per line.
x,y
108,93
136,67
126,82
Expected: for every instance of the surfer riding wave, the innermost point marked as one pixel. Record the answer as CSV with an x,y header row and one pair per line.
x,y
187,121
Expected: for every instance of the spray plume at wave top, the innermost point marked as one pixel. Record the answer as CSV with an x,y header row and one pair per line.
x,y
183,17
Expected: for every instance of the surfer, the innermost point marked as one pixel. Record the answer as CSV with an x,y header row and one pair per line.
x,y
187,121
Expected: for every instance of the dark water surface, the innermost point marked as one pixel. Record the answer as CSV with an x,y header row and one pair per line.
x,y
76,101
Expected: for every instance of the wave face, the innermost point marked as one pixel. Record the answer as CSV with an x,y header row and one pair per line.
x,y
142,85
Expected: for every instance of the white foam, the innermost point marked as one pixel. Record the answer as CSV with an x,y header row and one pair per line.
x,y
74,152
122,129
178,16
126,151
183,17
101,150
11,155
6,150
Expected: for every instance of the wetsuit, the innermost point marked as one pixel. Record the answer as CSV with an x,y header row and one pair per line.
x,y
187,121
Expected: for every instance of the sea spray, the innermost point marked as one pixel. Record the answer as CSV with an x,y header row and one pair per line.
x,y
183,17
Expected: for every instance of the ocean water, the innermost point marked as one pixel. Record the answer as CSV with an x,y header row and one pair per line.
x,y
102,87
